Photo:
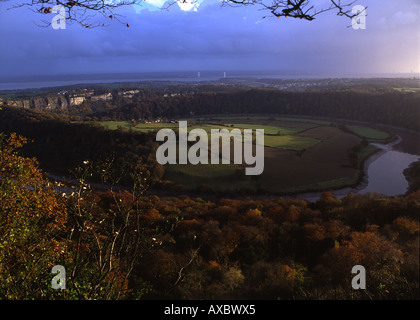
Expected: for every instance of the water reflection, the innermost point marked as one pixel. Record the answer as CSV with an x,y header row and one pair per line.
x,y
385,174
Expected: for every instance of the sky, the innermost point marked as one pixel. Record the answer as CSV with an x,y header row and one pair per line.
x,y
209,36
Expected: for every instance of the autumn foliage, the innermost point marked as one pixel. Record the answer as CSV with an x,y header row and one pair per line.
x,y
123,244
285,249
31,217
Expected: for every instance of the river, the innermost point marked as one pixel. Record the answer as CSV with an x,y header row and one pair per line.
x,y
386,175
383,174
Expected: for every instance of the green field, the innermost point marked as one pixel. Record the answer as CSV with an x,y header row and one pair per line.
x,y
220,118
320,122
268,130
274,136
208,127
300,154
203,171
369,133
289,142
114,125
219,177
142,127
267,118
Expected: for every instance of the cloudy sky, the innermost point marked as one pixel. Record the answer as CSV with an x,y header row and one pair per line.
x,y
212,37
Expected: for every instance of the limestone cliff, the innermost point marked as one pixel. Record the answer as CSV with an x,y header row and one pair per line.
x,y
62,100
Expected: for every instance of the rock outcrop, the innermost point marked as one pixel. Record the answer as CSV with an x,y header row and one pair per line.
x,y
63,100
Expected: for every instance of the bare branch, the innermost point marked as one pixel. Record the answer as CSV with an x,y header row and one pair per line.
x,y
87,13
96,13
300,9
193,256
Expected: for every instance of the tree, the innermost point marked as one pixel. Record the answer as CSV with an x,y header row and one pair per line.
x,y
32,220
108,233
96,236
86,12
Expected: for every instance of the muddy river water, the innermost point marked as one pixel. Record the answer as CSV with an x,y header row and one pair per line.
x,y
384,174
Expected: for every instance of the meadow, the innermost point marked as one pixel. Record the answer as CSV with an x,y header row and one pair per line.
x,y
369,133
300,155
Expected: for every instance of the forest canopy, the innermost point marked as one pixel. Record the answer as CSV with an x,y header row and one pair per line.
x,y
125,245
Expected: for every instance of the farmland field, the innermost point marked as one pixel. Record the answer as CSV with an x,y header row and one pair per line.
x,y
143,127
326,163
271,130
220,177
289,142
299,155
369,133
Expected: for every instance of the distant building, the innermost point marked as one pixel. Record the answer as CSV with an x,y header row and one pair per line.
x,y
76,100
128,93
88,93
103,97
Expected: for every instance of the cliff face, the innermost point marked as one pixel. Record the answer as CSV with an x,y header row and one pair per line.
x,y
59,101
39,103
18,103
64,99
104,97
49,102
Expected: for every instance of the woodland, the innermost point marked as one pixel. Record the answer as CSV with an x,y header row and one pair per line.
x,y
118,240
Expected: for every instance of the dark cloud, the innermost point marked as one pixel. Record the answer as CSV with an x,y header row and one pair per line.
x,y
217,38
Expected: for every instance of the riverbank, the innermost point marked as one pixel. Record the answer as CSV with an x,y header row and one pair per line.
x,y
311,195
412,174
